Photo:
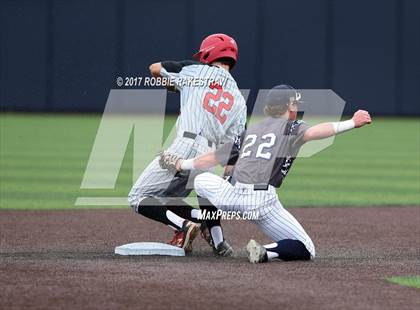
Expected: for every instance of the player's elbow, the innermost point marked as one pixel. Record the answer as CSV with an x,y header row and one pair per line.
x,y
155,69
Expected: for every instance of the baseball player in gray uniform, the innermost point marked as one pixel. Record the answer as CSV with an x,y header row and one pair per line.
x,y
263,157
213,111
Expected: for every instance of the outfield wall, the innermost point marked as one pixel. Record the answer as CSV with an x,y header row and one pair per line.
x,y
66,55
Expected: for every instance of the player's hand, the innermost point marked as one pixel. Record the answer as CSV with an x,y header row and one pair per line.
x,y
170,162
361,118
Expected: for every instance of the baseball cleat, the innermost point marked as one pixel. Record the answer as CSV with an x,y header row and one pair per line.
x,y
223,249
205,234
175,238
184,237
256,252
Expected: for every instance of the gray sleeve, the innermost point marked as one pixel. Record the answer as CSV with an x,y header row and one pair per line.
x,y
228,154
297,132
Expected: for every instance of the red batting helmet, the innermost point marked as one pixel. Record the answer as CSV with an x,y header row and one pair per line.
x,y
217,46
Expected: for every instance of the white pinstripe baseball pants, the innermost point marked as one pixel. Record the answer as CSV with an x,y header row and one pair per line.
x,y
274,220
154,181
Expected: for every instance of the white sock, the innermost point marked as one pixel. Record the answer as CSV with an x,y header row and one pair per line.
x,y
195,213
175,219
216,235
271,245
272,255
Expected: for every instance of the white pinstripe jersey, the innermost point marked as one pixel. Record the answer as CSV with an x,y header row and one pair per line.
x,y
216,111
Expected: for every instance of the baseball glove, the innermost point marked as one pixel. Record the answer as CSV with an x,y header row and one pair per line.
x,y
168,161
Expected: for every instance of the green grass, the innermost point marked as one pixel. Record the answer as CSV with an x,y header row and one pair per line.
x,y
43,159
413,281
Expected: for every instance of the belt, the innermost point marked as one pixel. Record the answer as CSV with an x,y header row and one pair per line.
x,y
191,135
257,187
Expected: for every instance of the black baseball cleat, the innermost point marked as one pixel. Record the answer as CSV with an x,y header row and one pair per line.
x,y
223,249
256,252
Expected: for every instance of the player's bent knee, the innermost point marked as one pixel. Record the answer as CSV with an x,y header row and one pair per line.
x,y
133,199
132,202
138,204
290,250
312,252
310,247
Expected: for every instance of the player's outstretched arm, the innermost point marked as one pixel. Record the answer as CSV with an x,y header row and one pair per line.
x,y
174,163
325,130
201,162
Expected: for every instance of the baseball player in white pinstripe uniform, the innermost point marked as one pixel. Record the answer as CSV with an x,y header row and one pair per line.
x,y
213,111
263,157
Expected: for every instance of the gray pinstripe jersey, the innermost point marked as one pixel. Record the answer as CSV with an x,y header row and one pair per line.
x,y
266,151
215,111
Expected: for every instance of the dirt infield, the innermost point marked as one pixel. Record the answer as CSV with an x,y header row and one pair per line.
x,y
65,260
